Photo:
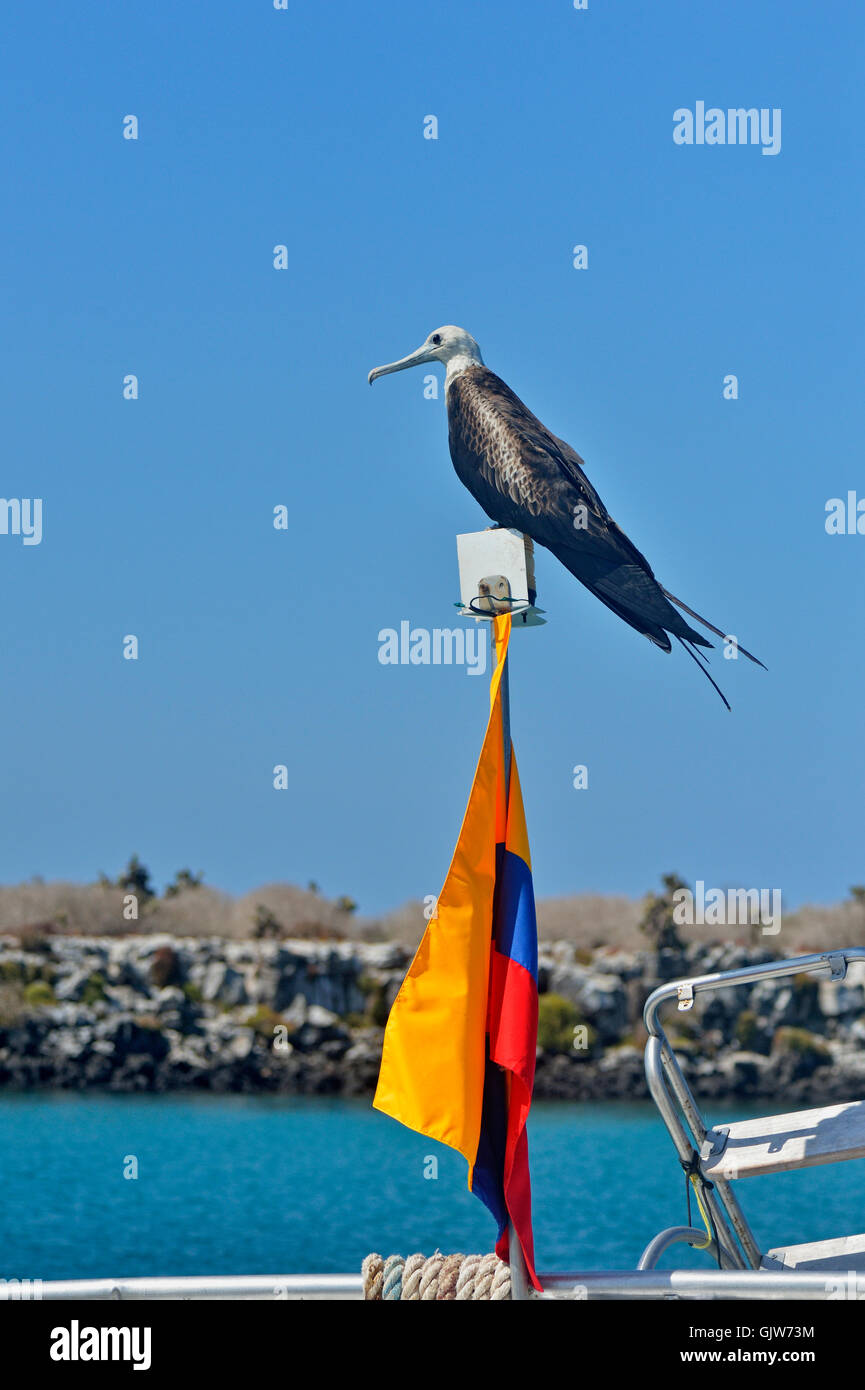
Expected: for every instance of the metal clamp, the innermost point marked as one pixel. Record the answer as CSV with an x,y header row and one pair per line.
x,y
838,962
715,1142
685,996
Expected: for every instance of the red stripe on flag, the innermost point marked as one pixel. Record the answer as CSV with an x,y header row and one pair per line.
x,y
513,1043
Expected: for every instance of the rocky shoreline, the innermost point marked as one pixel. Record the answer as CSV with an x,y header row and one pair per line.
x,y
156,1013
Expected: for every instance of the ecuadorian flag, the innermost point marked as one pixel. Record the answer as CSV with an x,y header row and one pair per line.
x,y
458,1062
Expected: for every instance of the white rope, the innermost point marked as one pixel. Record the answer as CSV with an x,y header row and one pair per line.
x,y
439,1278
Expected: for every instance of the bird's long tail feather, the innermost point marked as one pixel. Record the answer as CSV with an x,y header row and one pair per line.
x,y
717,631
692,653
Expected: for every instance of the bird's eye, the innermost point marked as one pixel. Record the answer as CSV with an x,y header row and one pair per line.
x,y
436,338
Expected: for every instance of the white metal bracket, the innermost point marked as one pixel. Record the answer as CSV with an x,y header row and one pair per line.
x,y
715,1142
838,963
497,575
685,996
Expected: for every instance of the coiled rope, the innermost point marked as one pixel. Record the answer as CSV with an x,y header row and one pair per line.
x,y
439,1278
694,1177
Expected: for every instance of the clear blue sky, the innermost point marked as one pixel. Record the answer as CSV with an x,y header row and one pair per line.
x,y
258,647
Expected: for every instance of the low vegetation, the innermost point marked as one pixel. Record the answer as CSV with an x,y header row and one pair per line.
x,y
558,1019
130,903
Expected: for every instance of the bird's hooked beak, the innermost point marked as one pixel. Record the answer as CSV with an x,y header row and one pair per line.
x,y
424,353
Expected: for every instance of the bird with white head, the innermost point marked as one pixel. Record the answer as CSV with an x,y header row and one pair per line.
x,y
528,479
452,346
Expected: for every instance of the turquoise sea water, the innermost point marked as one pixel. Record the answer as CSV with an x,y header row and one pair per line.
x,y
243,1185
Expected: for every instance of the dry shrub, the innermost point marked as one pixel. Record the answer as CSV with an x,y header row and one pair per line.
x,y
592,920
192,912
36,911
298,911
75,908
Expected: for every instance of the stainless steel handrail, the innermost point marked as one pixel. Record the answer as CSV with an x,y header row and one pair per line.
x,y
664,1075
705,1283
675,1235
835,962
216,1286
589,1284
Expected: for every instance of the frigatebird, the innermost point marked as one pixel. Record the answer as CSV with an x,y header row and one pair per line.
x,y
528,479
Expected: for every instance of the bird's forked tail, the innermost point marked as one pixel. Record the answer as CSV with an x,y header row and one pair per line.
x,y
711,626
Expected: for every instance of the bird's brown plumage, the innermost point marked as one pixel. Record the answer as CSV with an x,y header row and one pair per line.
x,y
527,478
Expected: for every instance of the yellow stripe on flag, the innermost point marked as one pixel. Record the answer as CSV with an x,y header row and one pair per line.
x,y
517,833
432,1066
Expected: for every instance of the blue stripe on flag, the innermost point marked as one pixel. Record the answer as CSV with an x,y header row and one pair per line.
x,y
515,929
488,1174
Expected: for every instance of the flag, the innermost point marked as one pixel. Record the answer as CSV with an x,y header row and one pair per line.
x,y
458,1059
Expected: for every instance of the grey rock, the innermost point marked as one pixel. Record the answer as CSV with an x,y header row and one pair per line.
x,y
71,986
263,985
627,965
241,1044
115,1043
172,997
840,1000
384,955
601,999
223,984
319,1017
123,997
297,1011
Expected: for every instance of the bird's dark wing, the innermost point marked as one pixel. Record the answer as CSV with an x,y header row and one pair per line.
x,y
525,477
572,468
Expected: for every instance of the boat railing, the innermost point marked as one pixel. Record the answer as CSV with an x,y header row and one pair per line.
x,y
712,1158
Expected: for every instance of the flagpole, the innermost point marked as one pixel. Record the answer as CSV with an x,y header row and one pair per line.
x,y
519,1277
